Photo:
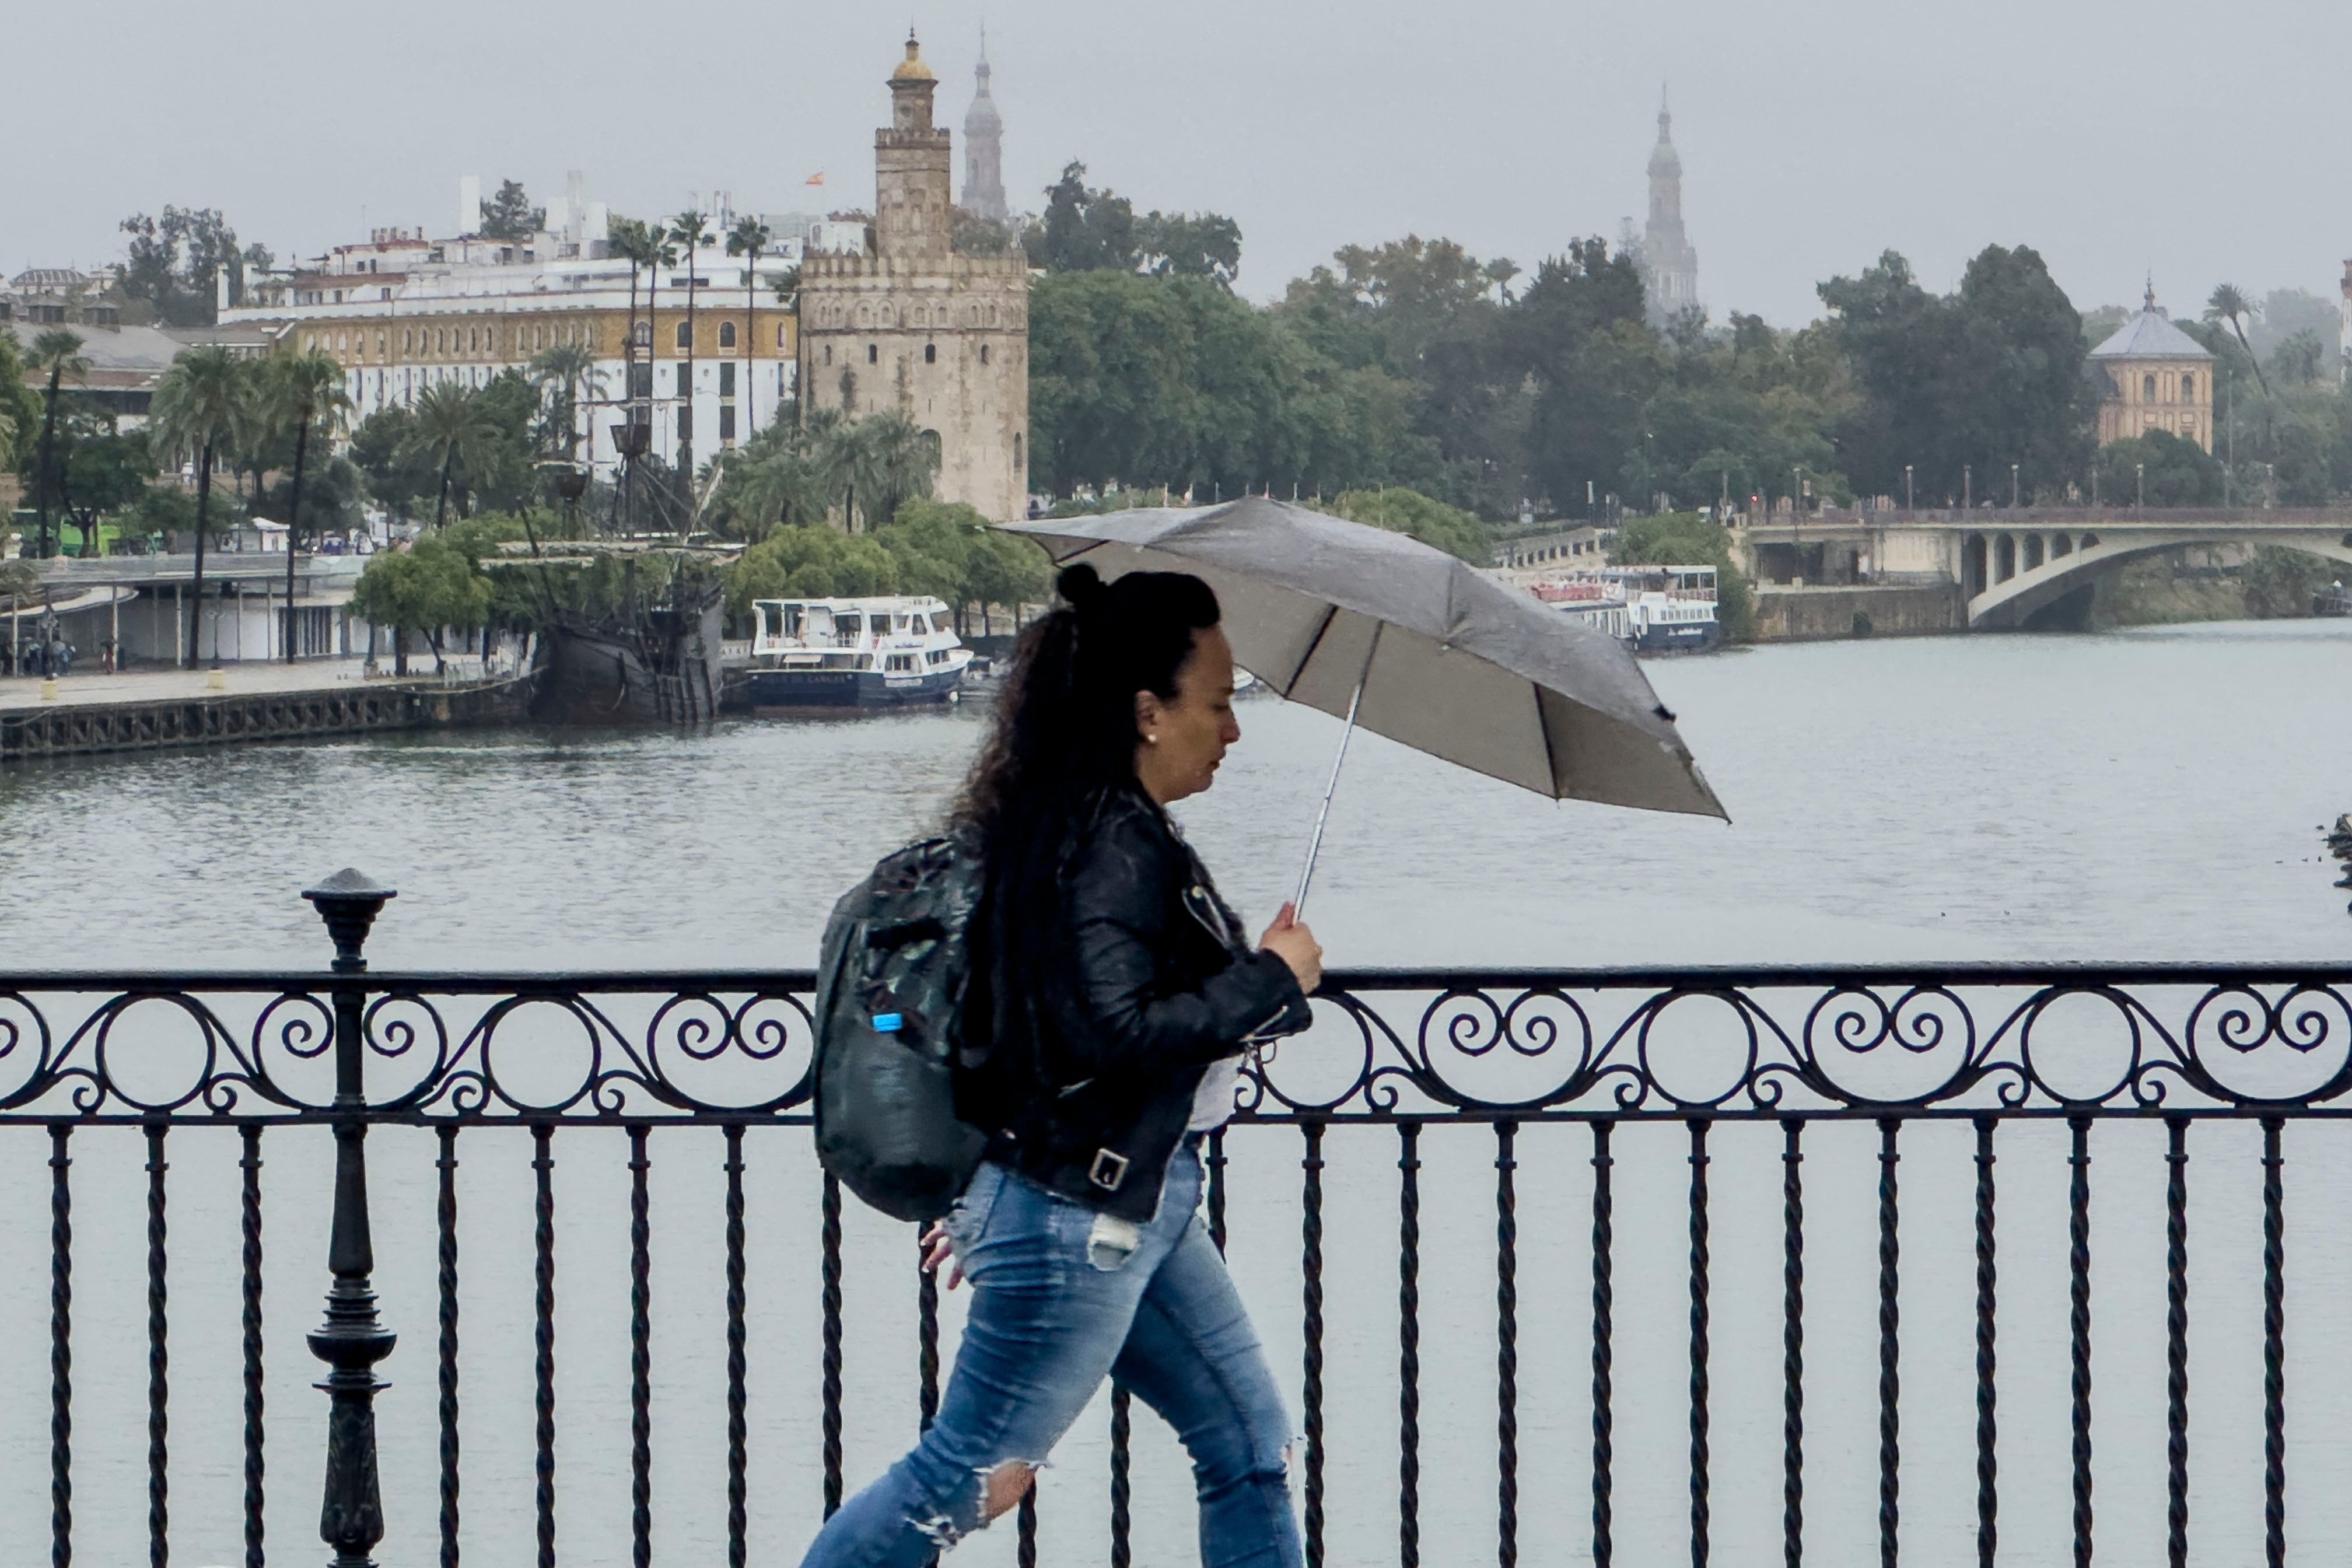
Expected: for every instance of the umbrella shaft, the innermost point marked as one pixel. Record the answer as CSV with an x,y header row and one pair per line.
x,y
1331,787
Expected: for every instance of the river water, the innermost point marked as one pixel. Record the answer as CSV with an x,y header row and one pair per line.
x,y
2148,794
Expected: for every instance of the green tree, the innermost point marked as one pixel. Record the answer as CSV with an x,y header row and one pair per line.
x,y
204,403
1083,229
509,215
457,427
566,377
2227,303
301,392
2176,472
1407,511
58,354
2298,358
20,416
788,473
99,470
811,562
426,588
749,239
175,260
633,242
885,460
690,232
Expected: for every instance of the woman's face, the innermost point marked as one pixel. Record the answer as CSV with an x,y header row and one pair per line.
x,y
1181,739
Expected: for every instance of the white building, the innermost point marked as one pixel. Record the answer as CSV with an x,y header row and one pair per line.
x,y
403,312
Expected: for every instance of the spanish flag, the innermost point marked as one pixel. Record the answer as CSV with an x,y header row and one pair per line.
x,y
817,178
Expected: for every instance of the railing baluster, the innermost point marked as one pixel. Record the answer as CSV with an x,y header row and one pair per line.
x,y
446,1215
829,1278
1122,1432
738,1533
1699,1506
1409,1345
2175,1342
1604,1295
543,1364
249,1163
2273,1348
1507,1347
60,1347
2078,1200
159,1360
641,1356
1792,1342
1890,1384
1988,1411
1311,1232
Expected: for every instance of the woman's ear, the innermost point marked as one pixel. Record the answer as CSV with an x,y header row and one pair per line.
x,y
1147,709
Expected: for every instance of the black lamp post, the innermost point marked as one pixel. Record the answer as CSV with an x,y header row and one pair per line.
x,y
354,1338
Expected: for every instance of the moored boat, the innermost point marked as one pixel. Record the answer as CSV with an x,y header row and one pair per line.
x,y
852,653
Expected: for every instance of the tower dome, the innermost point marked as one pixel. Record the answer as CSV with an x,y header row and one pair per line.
x,y
1664,159
912,67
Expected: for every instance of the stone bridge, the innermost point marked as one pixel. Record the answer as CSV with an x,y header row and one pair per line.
x,y
2011,562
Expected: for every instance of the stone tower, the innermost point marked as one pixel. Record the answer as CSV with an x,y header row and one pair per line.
x,y
1669,265
914,326
983,149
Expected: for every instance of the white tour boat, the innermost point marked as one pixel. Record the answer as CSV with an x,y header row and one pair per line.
x,y
851,653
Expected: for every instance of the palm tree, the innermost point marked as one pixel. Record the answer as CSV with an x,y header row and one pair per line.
x,y
691,233
892,459
566,376
300,390
450,424
204,403
789,474
59,352
2228,304
748,239
634,243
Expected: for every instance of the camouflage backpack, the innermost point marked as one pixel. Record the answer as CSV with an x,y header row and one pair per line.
x,y
892,978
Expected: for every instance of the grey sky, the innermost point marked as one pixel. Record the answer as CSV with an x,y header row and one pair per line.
x,y
2114,137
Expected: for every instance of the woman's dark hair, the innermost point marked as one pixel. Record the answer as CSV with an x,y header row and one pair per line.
x,y
1065,723
1064,735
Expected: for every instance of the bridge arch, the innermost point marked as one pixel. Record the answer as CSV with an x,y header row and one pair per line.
x,y
2022,581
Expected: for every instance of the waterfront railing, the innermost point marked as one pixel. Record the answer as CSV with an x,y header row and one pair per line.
x,y
1598,1070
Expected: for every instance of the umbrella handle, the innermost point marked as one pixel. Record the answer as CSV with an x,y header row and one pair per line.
x,y
1323,813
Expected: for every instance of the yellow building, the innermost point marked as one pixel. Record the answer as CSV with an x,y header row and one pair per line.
x,y
402,314
2158,378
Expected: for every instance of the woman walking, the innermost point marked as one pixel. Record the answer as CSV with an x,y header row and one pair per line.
x,y
1113,994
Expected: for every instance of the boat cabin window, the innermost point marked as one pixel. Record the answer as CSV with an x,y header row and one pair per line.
x,y
850,628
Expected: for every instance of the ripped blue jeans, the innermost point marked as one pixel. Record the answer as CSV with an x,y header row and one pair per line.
x,y
1058,1301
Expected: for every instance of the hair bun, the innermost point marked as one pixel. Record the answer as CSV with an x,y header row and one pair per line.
x,y
1079,585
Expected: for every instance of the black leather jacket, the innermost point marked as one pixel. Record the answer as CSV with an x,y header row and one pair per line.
x,y
1167,984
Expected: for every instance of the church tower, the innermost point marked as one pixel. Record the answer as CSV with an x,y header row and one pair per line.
x,y
913,326
983,149
1669,265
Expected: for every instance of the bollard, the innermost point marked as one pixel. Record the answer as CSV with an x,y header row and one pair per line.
x,y
350,1519
49,688
217,679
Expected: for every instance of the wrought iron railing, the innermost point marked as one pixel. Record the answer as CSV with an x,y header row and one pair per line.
x,y
1523,1055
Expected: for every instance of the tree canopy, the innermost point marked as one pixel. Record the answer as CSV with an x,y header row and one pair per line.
x,y
174,260
509,215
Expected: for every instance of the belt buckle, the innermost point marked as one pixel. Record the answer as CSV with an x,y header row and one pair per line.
x,y
1108,1170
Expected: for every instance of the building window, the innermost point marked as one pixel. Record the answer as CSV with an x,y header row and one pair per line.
x,y
645,334
931,353
2147,389
684,339
828,354
727,378
727,422
780,335
873,353
2187,389
1016,449
983,353
726,334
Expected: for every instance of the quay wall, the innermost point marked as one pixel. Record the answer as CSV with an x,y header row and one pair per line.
x,y
1818,614
88,728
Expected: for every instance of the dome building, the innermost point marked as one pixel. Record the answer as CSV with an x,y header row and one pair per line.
x,y
2157,377
983,149
1669,264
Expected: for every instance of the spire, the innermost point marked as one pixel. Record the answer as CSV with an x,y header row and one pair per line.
x,y
2150,297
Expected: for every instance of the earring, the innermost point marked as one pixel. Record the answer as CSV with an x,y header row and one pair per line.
x,y
1152,740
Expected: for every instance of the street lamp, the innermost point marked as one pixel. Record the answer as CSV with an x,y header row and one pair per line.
x,y
2139,472
2013,487
1968,487
1906,487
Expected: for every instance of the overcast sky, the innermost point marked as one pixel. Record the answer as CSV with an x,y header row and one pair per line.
x,y
2198,141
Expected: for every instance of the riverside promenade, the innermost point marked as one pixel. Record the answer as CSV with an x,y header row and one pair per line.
x,y
142,710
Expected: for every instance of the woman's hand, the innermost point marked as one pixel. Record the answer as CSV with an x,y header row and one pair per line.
x,y
937,1249
1289,939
